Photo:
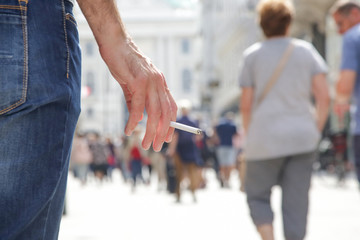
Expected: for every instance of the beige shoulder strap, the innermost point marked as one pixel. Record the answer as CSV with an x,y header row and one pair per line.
x,y
276,74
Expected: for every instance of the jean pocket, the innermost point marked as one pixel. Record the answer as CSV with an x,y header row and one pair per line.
x,y
13,56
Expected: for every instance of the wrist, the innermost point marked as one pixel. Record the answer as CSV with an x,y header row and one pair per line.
x,y
114,48
114,37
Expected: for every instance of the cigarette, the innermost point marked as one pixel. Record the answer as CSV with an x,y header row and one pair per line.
x,y
185,128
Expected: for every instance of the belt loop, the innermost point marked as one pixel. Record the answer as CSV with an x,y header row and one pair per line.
x,y
23,4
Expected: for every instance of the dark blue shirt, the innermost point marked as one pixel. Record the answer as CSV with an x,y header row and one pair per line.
x,y
186,147
351,61
226,130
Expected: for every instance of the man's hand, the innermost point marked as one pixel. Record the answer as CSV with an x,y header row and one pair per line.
x,y
144,87
340,109
143,84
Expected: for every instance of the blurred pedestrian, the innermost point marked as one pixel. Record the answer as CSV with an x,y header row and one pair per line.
x,y
210,144
278,78
40,103
240,160
99,151
123,157
111,157
185,153
347,17
226,131
170,169
136,158
81,157
158,161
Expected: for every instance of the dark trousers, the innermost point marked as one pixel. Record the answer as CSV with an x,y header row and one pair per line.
x,y
293,175
356,147
136,170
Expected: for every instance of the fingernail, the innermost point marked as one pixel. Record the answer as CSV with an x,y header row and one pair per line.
x,y
169,138
128,132
158,149
146,146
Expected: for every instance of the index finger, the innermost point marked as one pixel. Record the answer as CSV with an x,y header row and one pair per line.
x,y
173,113
137,103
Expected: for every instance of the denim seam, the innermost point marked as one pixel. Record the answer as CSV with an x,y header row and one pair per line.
x,y
66,41
50,201
48,209
26,58
41,209
25,71
62,168
47,217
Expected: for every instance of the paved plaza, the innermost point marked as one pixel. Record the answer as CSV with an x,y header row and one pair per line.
x,y
111,211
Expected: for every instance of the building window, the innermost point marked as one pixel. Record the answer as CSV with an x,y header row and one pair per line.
x,y
185,46
186,80
89,48
90,82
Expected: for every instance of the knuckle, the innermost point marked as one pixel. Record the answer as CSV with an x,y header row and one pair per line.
x,y
155,112
166,110
158,78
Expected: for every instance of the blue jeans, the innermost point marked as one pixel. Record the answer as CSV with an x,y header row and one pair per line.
x,y
39,107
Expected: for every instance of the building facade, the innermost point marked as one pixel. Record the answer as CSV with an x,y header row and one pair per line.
x,y
230,26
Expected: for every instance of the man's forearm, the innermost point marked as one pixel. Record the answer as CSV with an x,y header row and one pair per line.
x,y
345,86
104,20
322,99
115,45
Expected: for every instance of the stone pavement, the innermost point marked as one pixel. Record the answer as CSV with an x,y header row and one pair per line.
x,y
111,211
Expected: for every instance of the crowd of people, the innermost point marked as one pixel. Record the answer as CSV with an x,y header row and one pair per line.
x,y
186,157
284,107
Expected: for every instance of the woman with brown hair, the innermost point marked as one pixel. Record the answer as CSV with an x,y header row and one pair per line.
x,y
279,78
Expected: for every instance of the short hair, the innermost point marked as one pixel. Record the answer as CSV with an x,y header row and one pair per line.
x,y
275,16
344,7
